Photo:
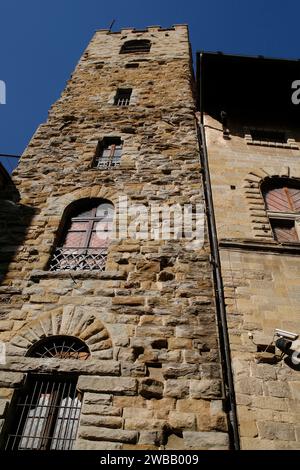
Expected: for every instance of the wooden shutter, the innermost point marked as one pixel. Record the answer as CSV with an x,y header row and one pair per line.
x,y
284,230
283,199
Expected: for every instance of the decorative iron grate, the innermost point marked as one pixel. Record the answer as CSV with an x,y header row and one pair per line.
x,y
107,163
46,415
123,101
77,259
60,347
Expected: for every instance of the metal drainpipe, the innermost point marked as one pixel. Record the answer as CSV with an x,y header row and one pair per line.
x,y
219,289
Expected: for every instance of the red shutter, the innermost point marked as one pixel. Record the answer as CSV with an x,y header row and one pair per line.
x,y
283,199
284,230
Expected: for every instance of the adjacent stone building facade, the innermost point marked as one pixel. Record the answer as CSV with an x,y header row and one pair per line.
x,y
149,375
261,276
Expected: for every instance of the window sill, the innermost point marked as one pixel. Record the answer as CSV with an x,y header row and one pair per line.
x,y
36,275
290,144
255,245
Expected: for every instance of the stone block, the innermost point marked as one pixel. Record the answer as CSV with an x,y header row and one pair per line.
x,y
181,421
142,424
150,438
113,385
192,405
271,430
206,440
104,410
3,406
278,389
150,388
205,388
11,379
177,388
82,444
101,421
6,325
97,399
111,435
184,370
295,388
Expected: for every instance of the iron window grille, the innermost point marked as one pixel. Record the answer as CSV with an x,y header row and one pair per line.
x,y
86,239
60,347
282,201
122,97
136,45
108,153
46,414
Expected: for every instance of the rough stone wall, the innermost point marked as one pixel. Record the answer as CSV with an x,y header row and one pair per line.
x,y
261,285
154,378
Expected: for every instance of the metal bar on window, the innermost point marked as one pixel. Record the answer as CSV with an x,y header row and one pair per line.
x,y
46,416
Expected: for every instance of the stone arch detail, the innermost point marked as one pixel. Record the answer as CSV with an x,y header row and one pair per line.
x,y
70,321
259,219
58,205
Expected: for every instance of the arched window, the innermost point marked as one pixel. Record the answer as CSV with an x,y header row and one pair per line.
x,y
86,236
136,45
44,414
282,201
60,347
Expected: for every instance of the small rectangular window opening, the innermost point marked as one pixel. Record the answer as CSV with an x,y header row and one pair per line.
x,y
122,97
108,153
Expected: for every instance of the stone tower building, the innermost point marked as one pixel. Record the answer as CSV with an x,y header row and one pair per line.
x,y
111,342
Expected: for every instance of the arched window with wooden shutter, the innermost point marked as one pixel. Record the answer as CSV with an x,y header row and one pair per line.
x,y
85,238
282,201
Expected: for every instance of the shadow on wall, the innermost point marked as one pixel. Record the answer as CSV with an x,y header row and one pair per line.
x,y
15,219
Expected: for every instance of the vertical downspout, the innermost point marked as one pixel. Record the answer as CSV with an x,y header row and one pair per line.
x,y
219,289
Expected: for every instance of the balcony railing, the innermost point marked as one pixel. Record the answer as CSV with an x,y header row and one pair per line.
x,y
78,259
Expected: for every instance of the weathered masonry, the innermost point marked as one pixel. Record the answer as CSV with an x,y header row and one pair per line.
x,y
110,343
253,151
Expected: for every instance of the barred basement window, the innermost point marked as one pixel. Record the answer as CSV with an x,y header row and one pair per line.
x,y
108,153
282,200
122,97
44,414
136,45
85,237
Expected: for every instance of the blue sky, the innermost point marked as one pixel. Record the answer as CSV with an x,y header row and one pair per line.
x,y
41,41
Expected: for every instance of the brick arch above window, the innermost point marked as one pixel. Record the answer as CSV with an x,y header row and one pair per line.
x,y
59,205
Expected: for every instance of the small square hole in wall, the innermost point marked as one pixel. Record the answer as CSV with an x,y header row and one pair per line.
x,y
132,65
270,348
232,186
